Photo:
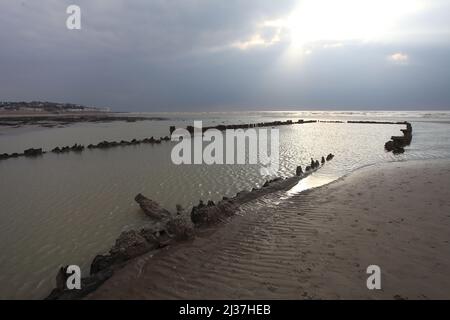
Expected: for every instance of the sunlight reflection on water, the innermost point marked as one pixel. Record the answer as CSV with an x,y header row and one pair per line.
x,y
312,181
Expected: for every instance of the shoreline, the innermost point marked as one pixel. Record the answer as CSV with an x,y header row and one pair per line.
x,y
50,120
315,244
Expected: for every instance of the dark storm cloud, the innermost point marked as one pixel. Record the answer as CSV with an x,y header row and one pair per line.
x,y
188,55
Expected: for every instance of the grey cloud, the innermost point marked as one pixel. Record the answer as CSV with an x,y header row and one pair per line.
x,y
175,55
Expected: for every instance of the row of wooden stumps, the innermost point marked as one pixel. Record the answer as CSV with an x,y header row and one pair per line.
x,y
27,153
224,127
397,144
314,164
32,152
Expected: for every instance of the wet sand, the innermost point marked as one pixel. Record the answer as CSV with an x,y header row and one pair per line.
x,y
313,245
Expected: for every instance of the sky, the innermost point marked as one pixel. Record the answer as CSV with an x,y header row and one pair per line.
x,y
228,55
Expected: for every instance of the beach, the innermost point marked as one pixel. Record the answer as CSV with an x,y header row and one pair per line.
x,y
316,244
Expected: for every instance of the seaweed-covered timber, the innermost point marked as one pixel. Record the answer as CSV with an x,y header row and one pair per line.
x,y
107,144
88,285
31,153
377,122
76,148
397,143
79,148
224,127
168,228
